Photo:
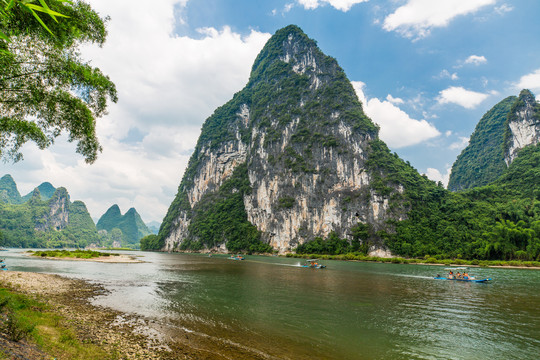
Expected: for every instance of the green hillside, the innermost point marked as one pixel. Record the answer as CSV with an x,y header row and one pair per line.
x,y
8,190
482,161
130,224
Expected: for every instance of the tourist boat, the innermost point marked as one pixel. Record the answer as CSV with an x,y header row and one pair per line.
x,y
236,257
313,264
3,266
469,279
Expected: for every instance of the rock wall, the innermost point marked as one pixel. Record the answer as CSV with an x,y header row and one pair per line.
x,y
524,126
301,131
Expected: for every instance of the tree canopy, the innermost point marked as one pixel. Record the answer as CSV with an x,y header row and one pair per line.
x,y
46,88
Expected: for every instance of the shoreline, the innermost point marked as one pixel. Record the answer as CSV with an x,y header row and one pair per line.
x,y
121,335
117,334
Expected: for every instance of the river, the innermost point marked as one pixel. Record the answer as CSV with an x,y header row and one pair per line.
x,y
271,307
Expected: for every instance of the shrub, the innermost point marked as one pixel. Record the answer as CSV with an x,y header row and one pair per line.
x,y
17,327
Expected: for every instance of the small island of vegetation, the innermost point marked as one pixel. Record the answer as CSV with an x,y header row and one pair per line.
x,y
78,254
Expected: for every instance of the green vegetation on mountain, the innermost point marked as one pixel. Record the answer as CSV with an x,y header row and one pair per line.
x,y
31,224
46,191
8,190
482,161
59,93
500,221
130,226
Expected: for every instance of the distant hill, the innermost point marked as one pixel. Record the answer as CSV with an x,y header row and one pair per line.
x,y
43,220
482,161
153,226
45,189
131,224
503,131
8,190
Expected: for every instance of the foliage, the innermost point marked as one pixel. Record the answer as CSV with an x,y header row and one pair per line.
x,y
45,87
33,318
151,242
482,161
78,254
498,221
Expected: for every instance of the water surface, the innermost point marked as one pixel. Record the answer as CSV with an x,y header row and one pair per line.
x,y
271,307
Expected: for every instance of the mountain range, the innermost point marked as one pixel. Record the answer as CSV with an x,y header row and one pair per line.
x,y
46,217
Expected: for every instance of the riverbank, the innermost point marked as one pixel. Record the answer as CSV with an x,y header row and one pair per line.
x,y
65,325
516,264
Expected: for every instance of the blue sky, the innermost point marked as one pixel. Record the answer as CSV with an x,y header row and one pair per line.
x,y
426,71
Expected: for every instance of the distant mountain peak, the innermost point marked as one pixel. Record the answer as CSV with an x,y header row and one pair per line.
x,y
8,190
131,224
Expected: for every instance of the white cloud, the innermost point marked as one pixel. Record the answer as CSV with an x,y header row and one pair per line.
x,y
530,81
167,85
343,5
436,175
416,18
504,8
394,100
446,74
476,60
398,129
460,144
460,96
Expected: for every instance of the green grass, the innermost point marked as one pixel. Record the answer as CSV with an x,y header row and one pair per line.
x,y
27,318
79,254
425,260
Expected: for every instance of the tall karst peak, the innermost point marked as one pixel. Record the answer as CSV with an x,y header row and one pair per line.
x,y
523,125
286,160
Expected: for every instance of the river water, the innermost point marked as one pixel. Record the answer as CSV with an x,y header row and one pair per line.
x,y
270,307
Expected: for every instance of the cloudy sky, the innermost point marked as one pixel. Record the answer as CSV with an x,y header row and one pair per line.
x,y
425,70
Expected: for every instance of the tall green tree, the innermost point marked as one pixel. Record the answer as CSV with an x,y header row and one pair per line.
x,y
46,88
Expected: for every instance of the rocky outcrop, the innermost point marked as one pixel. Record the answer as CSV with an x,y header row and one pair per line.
x,y
523,125
301,133
57,215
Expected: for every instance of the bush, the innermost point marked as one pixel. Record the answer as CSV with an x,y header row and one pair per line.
x,y
17,327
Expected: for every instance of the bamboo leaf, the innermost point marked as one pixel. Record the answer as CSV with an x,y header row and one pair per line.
x,y
40,21
46,11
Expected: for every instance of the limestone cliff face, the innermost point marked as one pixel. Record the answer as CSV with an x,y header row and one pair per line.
x,y
56,217
523,125
298,139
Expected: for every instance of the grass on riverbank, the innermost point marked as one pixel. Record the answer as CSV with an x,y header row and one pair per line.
x,y
26,318
79,254
427,260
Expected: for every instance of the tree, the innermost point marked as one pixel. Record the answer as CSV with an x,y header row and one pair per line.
x,y
45,86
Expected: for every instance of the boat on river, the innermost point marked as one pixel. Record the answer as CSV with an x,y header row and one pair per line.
x,y
313,264
236,257
451,276
3,266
